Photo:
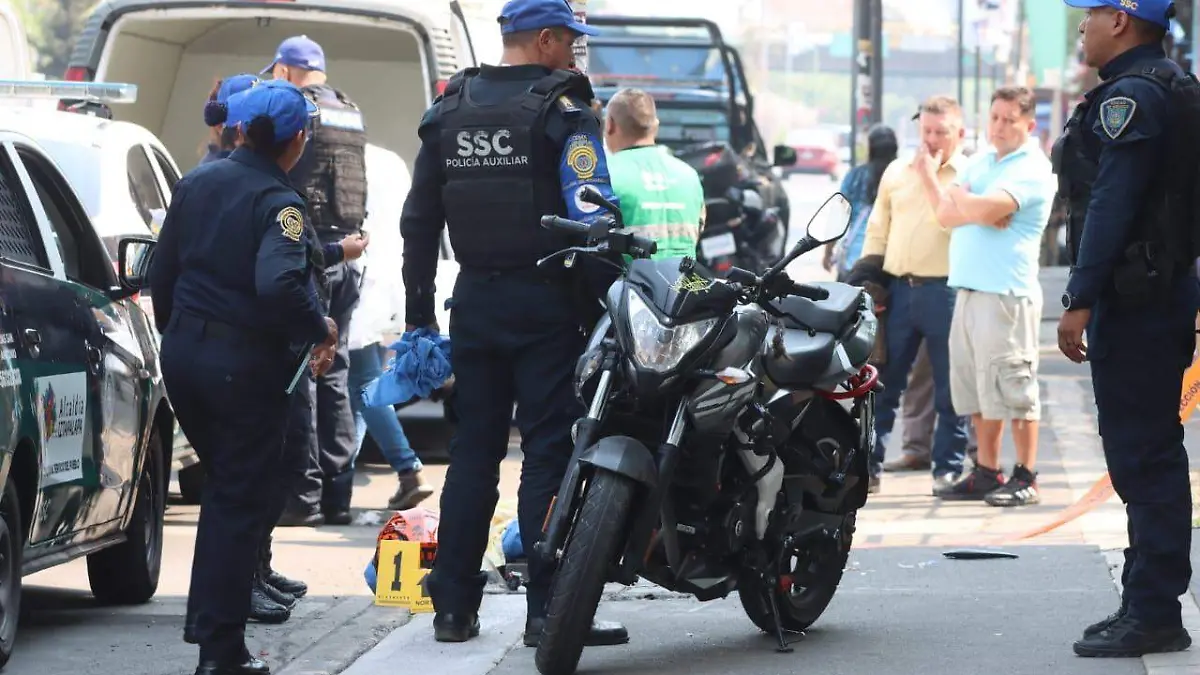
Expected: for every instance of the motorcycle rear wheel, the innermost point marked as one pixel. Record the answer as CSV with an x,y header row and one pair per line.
x,y
812,590
579,581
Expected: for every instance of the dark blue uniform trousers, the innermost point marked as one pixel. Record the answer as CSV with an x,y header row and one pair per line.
x,y
514,338
1138,358
228,395
323,425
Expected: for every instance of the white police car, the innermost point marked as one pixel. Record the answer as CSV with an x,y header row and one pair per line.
x,y
86,431
122,174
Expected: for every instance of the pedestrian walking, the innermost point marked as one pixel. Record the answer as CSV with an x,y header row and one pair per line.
x,y
1124,164
500,148
234,294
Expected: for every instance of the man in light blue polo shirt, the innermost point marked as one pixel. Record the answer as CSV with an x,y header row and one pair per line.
x,y
996,215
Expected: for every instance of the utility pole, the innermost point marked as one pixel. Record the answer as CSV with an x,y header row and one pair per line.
x,y
961,47
867,88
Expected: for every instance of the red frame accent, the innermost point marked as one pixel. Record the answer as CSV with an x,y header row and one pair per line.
x,y
859,385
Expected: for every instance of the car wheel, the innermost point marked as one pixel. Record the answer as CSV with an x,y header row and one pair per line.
x,y
191,483
11,551
127,574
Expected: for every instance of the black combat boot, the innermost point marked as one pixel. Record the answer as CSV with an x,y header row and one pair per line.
x,y
601,634
455,627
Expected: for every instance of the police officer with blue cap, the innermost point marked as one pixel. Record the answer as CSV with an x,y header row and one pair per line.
x,y
232,280
332,175
224,138
502,146
1126,170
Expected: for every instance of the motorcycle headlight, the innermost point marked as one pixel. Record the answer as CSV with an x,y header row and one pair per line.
x,y
657,347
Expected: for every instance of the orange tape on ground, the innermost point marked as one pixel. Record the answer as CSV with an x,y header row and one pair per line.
x,y
1099,493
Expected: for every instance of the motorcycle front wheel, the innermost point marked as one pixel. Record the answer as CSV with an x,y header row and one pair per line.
x,y
579,581
813,576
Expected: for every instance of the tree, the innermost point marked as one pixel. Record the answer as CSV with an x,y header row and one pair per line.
x,y
52,26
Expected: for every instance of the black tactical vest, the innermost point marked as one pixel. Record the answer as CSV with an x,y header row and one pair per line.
x,y
501,173
1165,239
336,186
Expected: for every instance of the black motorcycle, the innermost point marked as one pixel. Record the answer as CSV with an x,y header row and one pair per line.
x,y
755,394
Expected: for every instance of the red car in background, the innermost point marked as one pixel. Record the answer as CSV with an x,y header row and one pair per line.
x,y
817,152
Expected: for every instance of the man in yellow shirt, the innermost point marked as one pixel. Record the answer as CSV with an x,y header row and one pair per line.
x,y
904,230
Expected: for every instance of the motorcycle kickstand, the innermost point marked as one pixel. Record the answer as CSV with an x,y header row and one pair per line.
x,y
784,646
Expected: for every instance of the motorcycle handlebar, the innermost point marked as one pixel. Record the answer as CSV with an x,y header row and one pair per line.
x,y
745,277
636,244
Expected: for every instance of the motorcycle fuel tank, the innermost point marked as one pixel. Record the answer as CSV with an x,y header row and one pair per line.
x,y
715,404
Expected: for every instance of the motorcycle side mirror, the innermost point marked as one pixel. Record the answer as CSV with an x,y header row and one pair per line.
x,y
590,195
831,221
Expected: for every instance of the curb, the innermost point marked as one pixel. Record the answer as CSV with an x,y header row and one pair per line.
x,y
348,629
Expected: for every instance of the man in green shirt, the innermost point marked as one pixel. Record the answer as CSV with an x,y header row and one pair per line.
x,y
660,195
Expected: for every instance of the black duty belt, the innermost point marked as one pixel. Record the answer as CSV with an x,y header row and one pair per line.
x,y
914,280
207,328
526,274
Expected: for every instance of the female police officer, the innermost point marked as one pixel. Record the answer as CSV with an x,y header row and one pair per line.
x,y
232,281
223,139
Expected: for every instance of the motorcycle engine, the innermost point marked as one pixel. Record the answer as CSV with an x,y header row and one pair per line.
x,y
732,530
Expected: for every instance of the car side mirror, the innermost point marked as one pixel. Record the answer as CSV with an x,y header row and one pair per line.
x,y
784,156
134,255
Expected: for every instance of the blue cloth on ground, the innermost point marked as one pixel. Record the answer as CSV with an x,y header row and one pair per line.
x,y
370,575
420,365
510,542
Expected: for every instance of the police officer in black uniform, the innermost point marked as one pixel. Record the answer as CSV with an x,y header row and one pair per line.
x,y
237,307
500,148
332,174
1133,290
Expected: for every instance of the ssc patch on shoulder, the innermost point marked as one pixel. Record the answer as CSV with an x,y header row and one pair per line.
x,y
1115,115
581,156
291,222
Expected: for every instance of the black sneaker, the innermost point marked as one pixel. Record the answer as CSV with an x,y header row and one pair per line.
x,y
974,486
1129,638
1020,490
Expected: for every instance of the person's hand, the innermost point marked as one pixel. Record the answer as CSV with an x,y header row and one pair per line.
x,y
1070,334
353,245
927,163
1003,222
321,359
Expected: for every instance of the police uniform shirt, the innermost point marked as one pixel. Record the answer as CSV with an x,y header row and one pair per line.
x,y
233,249
570,126
1125,131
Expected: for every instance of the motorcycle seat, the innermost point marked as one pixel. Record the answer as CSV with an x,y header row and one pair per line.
x,y
831,315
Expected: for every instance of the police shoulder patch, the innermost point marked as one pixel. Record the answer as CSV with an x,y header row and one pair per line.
x,y
581,156
291,222
1115,115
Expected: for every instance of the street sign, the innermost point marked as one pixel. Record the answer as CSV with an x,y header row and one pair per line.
x,y
404,568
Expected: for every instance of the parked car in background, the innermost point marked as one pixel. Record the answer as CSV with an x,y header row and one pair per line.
x,y
816,153
85,450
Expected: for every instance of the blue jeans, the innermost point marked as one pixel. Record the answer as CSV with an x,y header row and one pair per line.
x,y
366,364
920,310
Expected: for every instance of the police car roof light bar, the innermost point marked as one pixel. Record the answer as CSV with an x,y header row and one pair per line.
x,y
101,92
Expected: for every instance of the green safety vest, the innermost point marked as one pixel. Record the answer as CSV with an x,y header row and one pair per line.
x,y
660,196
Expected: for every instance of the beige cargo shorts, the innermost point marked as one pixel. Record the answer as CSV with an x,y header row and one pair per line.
x,y
994,355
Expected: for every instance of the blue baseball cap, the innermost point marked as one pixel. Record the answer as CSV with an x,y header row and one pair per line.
x,y
519,16
1154,11
300,52
215,110
280,100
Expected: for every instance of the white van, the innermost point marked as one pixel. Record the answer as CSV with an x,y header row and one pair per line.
x,y
391,57
14,49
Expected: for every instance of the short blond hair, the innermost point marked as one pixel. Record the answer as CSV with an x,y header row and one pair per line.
x,y
634,112
941,105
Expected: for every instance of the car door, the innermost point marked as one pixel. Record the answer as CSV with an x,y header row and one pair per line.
x,y
117,382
